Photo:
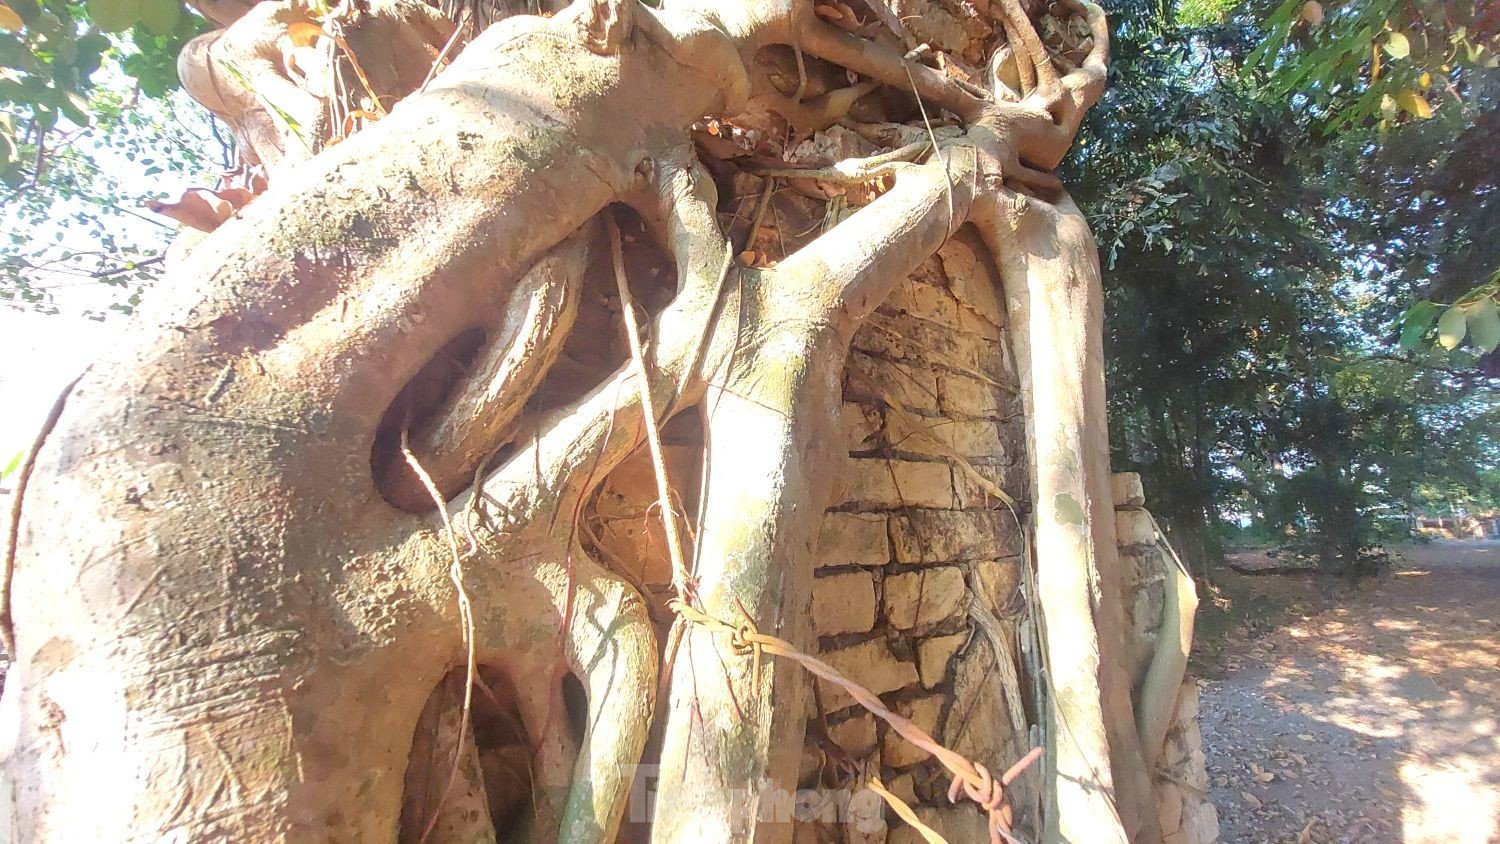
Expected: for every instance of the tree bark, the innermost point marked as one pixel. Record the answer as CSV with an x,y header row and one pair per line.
x,y
306,558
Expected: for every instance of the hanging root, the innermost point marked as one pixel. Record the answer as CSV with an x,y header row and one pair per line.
x,y
466,614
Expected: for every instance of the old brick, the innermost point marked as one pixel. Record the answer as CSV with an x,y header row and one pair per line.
x,y
934,654
979,724
1126,489
857,538
1147,611
997,582
869,664
1200,824
1012,479
889,484
923,300
877,337
862,425
911,338
969,396
873,380
897,752
925,597
953,823
943,437
1169,806
940,536
1187,705
1133,527
973,284
844,603
904,787
856,735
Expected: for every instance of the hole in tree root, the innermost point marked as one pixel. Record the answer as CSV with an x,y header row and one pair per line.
x,y
417,403
493,787
576,702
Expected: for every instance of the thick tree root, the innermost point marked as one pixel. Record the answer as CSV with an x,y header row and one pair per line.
x,y
281,645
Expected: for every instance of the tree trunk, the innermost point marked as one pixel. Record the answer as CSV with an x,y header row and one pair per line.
x,y
315,555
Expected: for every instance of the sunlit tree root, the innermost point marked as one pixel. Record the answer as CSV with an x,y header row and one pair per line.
x,y
240,627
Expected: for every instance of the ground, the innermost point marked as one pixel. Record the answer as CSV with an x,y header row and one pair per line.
x,y
1363,714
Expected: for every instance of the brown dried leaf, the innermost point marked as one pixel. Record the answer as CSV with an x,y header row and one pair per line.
x,y
304,33
198,208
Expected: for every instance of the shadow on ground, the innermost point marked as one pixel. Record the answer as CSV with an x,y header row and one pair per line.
x,y
1364,716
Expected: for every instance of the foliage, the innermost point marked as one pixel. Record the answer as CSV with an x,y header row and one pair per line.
x,y
1360,59
1259,245
88,121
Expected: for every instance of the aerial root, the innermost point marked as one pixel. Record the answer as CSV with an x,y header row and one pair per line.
x,y
466,616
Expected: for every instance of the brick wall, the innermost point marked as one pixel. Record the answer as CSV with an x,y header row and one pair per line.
x,y
912,536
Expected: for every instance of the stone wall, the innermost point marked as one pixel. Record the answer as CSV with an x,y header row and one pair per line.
x,y
1187,815
912,538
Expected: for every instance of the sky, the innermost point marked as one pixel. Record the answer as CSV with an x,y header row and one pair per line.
x,y
39,354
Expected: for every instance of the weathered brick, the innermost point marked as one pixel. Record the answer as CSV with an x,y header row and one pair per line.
x,y
975,286
873,380
939,536
969,396
844,603
897,752
1147,611
1012,478
926,301
943,437
934,654
997,582
913,338
1126,489
904,787
858,538
856,735
862,425
953,823
878,337
870,664
1200,824
886,483
925,597
1133,527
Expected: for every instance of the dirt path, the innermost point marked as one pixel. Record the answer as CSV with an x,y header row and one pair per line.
x,y
1373,720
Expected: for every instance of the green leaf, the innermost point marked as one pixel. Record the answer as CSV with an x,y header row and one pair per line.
x,y
1451,328
1415,322
1484,325
114,15
1397,46
160,16
14,464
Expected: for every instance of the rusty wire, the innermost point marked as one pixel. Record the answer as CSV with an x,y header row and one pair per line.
x,y
970,779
